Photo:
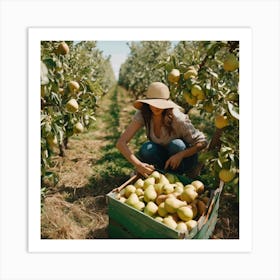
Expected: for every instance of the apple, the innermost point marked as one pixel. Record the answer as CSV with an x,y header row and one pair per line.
x,y
191,224
151,208
171,204
221,121
190,73
188,195
198,92
226,175
128,190
230,63
73,86
199,186
132,199
139,183
190,99
72,106
78,128
174,76
149,181
62,48
169,221
150,194
185,213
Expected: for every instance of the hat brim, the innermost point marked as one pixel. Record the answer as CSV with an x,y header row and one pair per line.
x,y
158,103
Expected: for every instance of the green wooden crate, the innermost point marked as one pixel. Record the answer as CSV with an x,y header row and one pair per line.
x,y
125,222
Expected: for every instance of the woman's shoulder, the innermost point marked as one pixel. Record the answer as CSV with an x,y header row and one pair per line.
x,y
179,116
138,116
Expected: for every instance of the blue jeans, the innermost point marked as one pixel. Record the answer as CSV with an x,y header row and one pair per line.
x,y
157,155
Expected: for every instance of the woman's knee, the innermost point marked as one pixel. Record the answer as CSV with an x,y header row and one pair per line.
x,y
175,146
148,149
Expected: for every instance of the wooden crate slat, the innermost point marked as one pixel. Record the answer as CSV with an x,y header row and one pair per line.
x,y
137,222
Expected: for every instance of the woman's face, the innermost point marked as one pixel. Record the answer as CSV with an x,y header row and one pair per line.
x,y
156,111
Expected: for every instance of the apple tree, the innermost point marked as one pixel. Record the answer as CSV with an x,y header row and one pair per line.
x,y
141,67
203,76
73,77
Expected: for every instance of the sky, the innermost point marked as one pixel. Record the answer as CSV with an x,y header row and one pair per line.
x,y
118,50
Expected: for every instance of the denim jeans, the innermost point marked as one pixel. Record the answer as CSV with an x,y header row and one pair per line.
x,y
157,155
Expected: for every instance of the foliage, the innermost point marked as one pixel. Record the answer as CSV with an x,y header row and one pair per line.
x,y
73,78
141,67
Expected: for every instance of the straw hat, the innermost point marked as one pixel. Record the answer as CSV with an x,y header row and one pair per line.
x,y
157,95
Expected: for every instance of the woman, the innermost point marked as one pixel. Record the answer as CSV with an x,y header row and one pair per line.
x,y
173,141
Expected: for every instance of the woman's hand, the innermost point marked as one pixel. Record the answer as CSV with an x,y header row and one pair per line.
x,y
145,169
174,161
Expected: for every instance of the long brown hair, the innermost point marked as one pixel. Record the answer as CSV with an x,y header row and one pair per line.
x,y
167,115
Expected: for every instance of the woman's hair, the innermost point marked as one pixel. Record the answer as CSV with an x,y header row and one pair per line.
x,y
147,116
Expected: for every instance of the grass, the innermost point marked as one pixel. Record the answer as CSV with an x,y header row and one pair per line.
x,y
111,169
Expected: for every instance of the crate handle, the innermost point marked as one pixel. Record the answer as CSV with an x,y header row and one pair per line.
x,y
134,177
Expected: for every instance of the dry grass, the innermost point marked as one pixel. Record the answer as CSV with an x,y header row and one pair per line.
x,y
83,219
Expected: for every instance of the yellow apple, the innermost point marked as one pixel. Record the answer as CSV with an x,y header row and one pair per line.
x,y
191,224
199,186
174,76
191,73
78,128
221,121
62,48
185,213
128,190
198,92
190,99
72,106
73,86
226,175
230,63
151,208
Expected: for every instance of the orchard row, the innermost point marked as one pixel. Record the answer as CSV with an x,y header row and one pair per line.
x,y
74,75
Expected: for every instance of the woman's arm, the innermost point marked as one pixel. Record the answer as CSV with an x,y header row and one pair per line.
x,y
143,168
175,160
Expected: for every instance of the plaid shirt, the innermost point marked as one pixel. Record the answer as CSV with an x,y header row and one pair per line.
x,y
182,128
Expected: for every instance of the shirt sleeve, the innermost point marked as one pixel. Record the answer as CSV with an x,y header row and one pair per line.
x,y
138,117
187,131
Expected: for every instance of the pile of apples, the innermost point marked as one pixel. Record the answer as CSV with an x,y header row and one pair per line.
x,y
166,199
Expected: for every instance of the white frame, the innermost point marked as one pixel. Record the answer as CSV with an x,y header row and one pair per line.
x,y
16,262
243,35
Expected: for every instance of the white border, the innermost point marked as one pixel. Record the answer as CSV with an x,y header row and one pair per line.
x,y
262,16
244,35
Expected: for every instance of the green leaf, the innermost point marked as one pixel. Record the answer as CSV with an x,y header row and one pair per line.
x,y
49,62
233,110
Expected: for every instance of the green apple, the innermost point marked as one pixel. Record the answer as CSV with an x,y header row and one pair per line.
x,y
171,204
161,210
150,194
169,221
149,181
188,195
139,183
151,208
132,199
128,190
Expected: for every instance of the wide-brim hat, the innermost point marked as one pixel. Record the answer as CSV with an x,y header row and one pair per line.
x,y
157,95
